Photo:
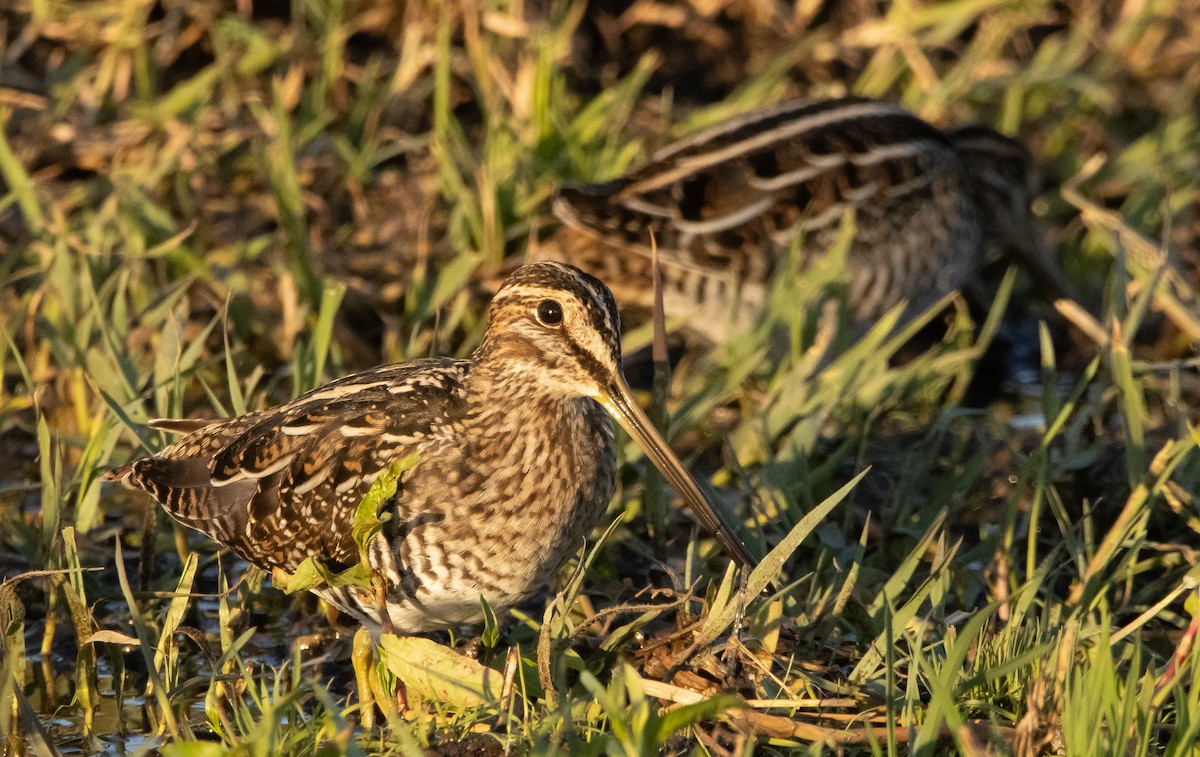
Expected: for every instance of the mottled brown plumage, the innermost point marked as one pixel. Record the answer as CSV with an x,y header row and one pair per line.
x,y
516,461
727,206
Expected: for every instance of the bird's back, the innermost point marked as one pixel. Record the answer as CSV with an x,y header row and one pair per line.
x,y
729,205
279,485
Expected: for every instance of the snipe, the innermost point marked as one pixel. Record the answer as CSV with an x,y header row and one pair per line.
x,y
516,462
728,205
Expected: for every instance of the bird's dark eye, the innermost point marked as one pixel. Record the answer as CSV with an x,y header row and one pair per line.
x,y
549,312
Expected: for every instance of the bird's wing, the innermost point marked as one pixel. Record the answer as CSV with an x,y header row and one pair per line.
x,y
759,181
282,484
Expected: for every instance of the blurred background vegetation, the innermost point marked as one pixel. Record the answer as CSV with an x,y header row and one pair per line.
x,y
207,207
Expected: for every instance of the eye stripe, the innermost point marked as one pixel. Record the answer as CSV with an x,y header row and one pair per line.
x,y
590,363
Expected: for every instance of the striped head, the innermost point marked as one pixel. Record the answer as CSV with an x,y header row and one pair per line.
x,y
557,326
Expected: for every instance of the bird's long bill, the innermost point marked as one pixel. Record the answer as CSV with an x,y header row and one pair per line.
x,y
619,402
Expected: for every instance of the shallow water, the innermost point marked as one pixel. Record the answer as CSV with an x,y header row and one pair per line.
x,y
122,723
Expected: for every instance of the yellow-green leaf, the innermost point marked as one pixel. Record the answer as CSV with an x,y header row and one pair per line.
x,y
435,673
314,574
367,519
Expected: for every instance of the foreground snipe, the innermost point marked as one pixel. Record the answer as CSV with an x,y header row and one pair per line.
x,y
516,461
727,206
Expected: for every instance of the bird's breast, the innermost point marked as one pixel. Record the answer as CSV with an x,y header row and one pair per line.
x,y
498,507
